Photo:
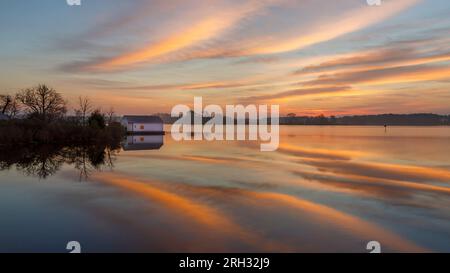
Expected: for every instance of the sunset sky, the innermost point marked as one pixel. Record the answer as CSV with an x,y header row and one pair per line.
x,y
309,56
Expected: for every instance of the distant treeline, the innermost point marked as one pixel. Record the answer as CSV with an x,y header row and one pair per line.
x,y
378,120
383,119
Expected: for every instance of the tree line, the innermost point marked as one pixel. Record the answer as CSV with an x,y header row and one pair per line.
x,y
375,120
421,119
39,115
44,103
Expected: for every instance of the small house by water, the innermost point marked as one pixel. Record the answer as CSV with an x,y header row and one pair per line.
x,y
143,124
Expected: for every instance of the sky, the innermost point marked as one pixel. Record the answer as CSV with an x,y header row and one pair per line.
x,y
310,57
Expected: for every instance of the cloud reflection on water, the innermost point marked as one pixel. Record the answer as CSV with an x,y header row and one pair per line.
x,y
325,190
185,200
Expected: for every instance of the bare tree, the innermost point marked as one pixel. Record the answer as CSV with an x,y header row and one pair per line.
x,y
110,115
14,109
84,108
9,105
43,102
5,103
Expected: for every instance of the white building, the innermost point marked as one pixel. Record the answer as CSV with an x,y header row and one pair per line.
x,y
143,124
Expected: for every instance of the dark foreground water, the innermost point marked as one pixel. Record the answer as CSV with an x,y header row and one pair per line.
x,y
326,189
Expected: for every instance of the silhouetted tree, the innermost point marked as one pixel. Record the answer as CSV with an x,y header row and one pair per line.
x,y
9,105
321,120
97,120
110,115
5,103
43,102
291,115
84,108
333,120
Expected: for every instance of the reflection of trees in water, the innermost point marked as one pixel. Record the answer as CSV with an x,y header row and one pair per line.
x,y
43,163
90,158
45,160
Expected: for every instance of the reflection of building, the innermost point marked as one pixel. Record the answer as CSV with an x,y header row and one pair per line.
x,y
143,124
143,142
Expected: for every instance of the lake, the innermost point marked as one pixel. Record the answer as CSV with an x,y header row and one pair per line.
x,y
326,189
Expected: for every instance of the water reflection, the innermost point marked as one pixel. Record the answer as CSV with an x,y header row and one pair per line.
x,y
325,190
188,200
46,160
143,142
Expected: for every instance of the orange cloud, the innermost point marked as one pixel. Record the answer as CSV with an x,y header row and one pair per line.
x,y
401,74
205,29
301,92
210,27
343,82
349,22
376,59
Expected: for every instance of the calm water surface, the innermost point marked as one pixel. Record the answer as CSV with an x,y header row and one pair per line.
x,y
326,189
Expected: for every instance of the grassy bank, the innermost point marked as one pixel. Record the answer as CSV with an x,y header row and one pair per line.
x,y
61,132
